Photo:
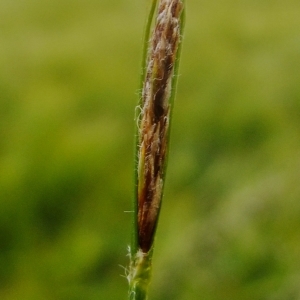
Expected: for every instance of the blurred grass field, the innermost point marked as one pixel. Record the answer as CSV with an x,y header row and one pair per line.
x,y
229,226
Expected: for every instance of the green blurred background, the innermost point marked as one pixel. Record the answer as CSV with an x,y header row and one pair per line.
x,y
229,227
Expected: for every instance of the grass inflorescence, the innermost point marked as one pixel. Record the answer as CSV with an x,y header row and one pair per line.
x,y
158,82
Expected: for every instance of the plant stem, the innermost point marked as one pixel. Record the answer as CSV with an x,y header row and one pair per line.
x,y
158,84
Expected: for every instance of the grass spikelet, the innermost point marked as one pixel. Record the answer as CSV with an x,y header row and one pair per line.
x,y
158,91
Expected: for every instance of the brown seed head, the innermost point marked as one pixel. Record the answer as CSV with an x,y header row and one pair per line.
x,y
154,119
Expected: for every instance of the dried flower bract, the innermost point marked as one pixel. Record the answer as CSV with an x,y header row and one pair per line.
x,y
154,117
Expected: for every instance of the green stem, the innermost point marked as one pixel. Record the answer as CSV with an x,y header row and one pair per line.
x,y
140,270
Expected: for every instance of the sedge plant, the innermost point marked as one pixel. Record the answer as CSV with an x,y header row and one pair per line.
x,y
161,55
